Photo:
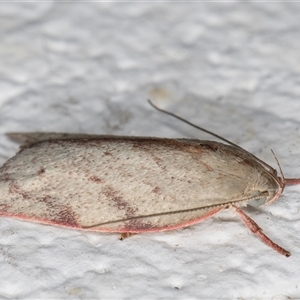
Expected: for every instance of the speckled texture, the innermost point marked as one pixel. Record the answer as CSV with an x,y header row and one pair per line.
x,y
89,68
130,184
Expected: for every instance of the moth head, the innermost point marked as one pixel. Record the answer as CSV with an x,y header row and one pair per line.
x,y
272,185
268,189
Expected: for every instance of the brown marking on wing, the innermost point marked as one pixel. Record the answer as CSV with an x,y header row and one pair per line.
x,y
138,225
107,153
5,177
5,174
140,145
209,147
5,167
96,179
159,162
208,167
66,216
246,162
57,213
147,144
156,190
41,171
119,202
46,199
15,189
4,207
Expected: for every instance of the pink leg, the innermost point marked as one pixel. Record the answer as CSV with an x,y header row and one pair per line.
x,y
292,181
258,231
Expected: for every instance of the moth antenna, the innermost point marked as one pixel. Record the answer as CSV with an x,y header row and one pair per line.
x,y
279,166
193,125
217,136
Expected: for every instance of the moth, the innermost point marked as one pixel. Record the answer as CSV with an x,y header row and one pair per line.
x,y
129,185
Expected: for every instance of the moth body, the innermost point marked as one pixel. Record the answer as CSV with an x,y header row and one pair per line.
x,y
129,184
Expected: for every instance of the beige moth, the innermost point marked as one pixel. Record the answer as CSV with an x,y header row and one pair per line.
x,y
133,184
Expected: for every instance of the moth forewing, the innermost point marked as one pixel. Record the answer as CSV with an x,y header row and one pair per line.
x,y
175,180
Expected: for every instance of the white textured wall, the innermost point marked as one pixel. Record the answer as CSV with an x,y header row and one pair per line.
x,y
89,67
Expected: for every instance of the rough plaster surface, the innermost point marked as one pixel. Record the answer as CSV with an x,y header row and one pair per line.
x,y
89,68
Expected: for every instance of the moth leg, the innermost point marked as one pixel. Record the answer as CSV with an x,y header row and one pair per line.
x,y
292,181
125,235
258,231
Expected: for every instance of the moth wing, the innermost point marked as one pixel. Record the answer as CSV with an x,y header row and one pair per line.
x,y
122,184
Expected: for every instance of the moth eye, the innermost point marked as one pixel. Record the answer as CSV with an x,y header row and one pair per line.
x,y
262,198
257,202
